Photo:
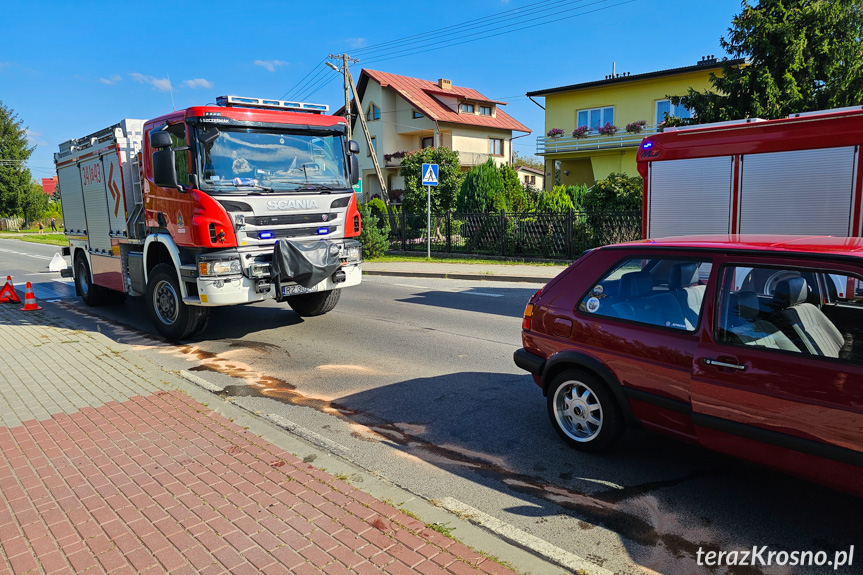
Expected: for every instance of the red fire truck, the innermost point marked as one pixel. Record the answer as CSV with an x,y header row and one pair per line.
x,y
797,175
247,200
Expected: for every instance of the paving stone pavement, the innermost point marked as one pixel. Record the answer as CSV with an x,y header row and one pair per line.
x,y
106,466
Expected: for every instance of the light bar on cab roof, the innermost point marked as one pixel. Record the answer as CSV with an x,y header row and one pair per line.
x,y
242,101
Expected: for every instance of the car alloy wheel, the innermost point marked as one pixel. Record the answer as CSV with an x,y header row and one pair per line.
x,y
578,411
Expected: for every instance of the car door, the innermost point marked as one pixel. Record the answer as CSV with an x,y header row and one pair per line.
x,y
641,318
778,375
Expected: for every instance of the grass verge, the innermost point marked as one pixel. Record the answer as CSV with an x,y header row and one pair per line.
x,y
50,239
445,260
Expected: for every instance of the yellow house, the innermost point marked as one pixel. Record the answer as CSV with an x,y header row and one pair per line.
x,y
592,108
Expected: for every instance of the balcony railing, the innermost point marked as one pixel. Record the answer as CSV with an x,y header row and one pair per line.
x,y
472,158
595,141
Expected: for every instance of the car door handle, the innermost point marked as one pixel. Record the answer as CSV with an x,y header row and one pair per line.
x,y
717,363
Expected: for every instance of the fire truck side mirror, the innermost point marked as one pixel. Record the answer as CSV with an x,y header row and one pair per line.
x,y
165,168
355,169
160,139
353,147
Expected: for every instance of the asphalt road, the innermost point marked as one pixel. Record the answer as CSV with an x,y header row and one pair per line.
x,y
413,379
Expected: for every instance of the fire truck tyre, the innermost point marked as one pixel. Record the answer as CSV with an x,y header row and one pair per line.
x,y
92,295
312,304
172,318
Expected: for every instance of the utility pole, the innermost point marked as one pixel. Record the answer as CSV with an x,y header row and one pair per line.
x,y
349,84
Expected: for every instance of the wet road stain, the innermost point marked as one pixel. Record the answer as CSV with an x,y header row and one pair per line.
x,y
630,512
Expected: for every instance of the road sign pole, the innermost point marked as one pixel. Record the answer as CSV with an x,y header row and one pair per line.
x,y
428,224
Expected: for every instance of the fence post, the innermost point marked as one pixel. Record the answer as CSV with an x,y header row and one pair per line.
x,y
449,232
569,235
502,233
404,232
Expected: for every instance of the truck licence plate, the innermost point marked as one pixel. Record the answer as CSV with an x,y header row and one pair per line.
x,y
298,289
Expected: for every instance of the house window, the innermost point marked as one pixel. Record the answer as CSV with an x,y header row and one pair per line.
x,y
666,107
427,142
526,179
374,146
467,108
417,115
374,113
595,117
533,180
495,146
485,110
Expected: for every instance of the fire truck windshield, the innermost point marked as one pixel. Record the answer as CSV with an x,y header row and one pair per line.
x,y
270,160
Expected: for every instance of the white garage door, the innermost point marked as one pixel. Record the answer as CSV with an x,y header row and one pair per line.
x,y
800,192
690,197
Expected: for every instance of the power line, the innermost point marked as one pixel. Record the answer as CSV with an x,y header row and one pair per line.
x,y
303,78
521,27
537,7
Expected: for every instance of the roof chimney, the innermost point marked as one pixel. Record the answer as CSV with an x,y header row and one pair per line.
x,y
444,84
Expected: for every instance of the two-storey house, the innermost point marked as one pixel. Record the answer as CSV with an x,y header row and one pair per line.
x,y
406,114
617,100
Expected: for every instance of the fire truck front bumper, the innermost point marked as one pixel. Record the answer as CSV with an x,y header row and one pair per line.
x,y
239,289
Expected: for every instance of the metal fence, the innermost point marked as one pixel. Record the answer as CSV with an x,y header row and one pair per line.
x,y
538,235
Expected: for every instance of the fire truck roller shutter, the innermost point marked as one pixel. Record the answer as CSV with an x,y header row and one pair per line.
x,y
800,192
690,197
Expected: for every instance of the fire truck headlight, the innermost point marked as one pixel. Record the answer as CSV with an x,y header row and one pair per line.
x,y
222,267
351,253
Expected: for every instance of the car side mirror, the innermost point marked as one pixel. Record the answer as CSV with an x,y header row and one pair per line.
x,y
165,168
353,147
355,169
160,140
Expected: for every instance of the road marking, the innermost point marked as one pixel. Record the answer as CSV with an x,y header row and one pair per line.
x,y
452,290
63,280
38,257
555,554
307,434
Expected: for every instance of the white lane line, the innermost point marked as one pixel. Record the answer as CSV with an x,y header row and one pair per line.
x,y
451,290
564,558
38,257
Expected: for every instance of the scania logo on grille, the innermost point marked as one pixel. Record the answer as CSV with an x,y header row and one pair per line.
x,y
325,217
292,204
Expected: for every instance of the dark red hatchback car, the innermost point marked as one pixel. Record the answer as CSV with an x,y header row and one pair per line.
x,y
749,345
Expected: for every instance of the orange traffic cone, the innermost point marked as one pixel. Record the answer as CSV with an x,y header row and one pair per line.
x,y
7,294
29,299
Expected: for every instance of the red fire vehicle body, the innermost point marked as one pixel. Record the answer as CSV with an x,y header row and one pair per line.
x,y
214,205
797,175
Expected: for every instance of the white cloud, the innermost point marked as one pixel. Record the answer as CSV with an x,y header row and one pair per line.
x,y
112,80
356,42
161,84
271,65
34,138
198,83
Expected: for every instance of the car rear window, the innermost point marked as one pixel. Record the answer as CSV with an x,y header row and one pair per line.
x,y
655,291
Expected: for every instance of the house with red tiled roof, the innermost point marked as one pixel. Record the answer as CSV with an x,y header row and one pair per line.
x,y
406,114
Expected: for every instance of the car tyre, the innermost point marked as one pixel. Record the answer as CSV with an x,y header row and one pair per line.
x,y
173,319
312,304
583,411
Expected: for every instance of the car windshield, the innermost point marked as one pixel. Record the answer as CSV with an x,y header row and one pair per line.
x,y
239,160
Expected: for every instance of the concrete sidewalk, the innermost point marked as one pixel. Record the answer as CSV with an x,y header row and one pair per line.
x,y
108,464
480,271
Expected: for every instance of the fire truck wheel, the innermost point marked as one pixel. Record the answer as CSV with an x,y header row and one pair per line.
x,y
92,295
318,303
172,318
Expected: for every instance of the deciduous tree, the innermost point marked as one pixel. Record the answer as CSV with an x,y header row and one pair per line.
x,y
449,180
801,55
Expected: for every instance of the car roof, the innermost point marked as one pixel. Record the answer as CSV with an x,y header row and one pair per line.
x,y
852,246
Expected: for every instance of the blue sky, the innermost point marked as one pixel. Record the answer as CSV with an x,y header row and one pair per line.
x,y
71,68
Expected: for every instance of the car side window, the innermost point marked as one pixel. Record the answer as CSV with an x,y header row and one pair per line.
x,y
806,311
661,292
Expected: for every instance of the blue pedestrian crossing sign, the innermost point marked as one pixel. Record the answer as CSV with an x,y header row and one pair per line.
x,y
429,174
